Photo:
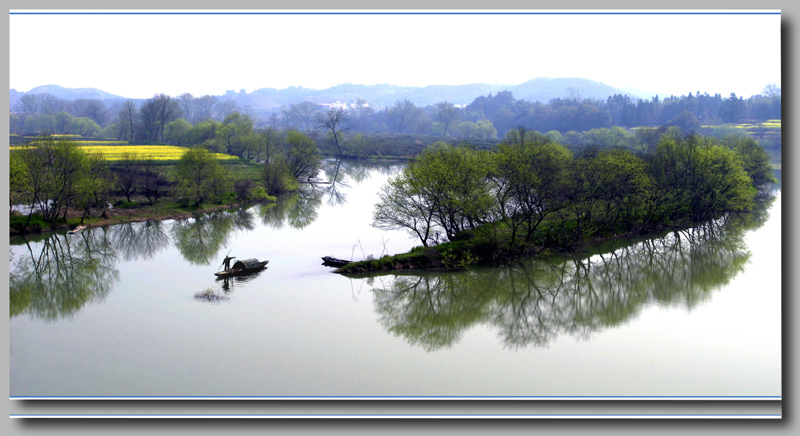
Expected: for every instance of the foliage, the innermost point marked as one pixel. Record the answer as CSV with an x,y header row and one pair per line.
x,y
200,177
302,158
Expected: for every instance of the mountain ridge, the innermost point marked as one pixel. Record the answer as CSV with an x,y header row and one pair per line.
x,y
542,89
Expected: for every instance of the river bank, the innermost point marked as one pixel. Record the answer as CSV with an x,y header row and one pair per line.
x,y
134,211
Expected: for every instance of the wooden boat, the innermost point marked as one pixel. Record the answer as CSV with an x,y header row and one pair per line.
x,y
76,230
332,261
243,267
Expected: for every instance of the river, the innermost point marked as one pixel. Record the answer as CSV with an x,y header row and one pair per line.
x,y
135,310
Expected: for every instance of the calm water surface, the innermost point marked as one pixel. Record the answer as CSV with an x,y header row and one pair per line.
x,y
134,310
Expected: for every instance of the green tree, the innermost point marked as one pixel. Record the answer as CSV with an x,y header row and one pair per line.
x,y
176,131
755,160
447,114
529,180
54,172
453,180
302,158
94,188
199,176
83,126
276,176
697,178
403,206
17,177
484,129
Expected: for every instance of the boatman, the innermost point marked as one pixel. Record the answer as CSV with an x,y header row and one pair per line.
x,y
227,262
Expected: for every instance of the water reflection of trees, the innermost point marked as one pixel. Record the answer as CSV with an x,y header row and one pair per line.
x,y
199,239
299,209
533,302
63,273
140,240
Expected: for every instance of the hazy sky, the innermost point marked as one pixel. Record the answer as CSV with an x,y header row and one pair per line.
x,y
138,55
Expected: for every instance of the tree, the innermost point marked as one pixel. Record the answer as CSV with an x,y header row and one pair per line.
x,y
755,160
126,120
167,109
230,134
83,126
54,171
697,178
203,108
333,120
771,90
447,114
150,181
17,177
686,121
201,132
529,178
199,175
51,105
306,112
484,129
266,145
224,108
275,175
453,180
147,123
62,121
176,131
403,115
402,206
127,175
28,105
92,109
303,158
187,103
94,188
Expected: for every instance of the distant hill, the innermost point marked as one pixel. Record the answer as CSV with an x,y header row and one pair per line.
x,y
73,93
544,89
66,94
263,100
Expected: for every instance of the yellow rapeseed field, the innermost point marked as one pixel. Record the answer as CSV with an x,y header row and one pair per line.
x,y
138,152
144,152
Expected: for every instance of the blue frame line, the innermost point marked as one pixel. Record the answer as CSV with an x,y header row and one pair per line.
x,y
395,13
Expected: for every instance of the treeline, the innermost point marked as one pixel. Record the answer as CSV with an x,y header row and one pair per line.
x,y
166,119
532,193
54,177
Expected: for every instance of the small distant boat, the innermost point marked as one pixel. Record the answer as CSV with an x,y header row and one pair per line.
x,y
76,230
328,260
243,267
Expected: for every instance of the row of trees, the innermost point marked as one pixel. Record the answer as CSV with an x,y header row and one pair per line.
x,y
484,118
53,176
534,191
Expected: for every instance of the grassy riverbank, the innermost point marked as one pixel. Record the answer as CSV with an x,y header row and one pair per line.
x,y
491,245
137,210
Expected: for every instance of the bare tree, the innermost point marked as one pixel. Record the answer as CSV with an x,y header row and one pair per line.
x,y
28,104
447,114
203,108
333,120
186,102
224,108
307,111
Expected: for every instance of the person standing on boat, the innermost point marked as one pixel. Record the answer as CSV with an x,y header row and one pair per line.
x,y
227,262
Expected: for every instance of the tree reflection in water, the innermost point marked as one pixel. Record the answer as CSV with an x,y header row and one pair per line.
x,y
62,274
533,302
142,240
199,239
